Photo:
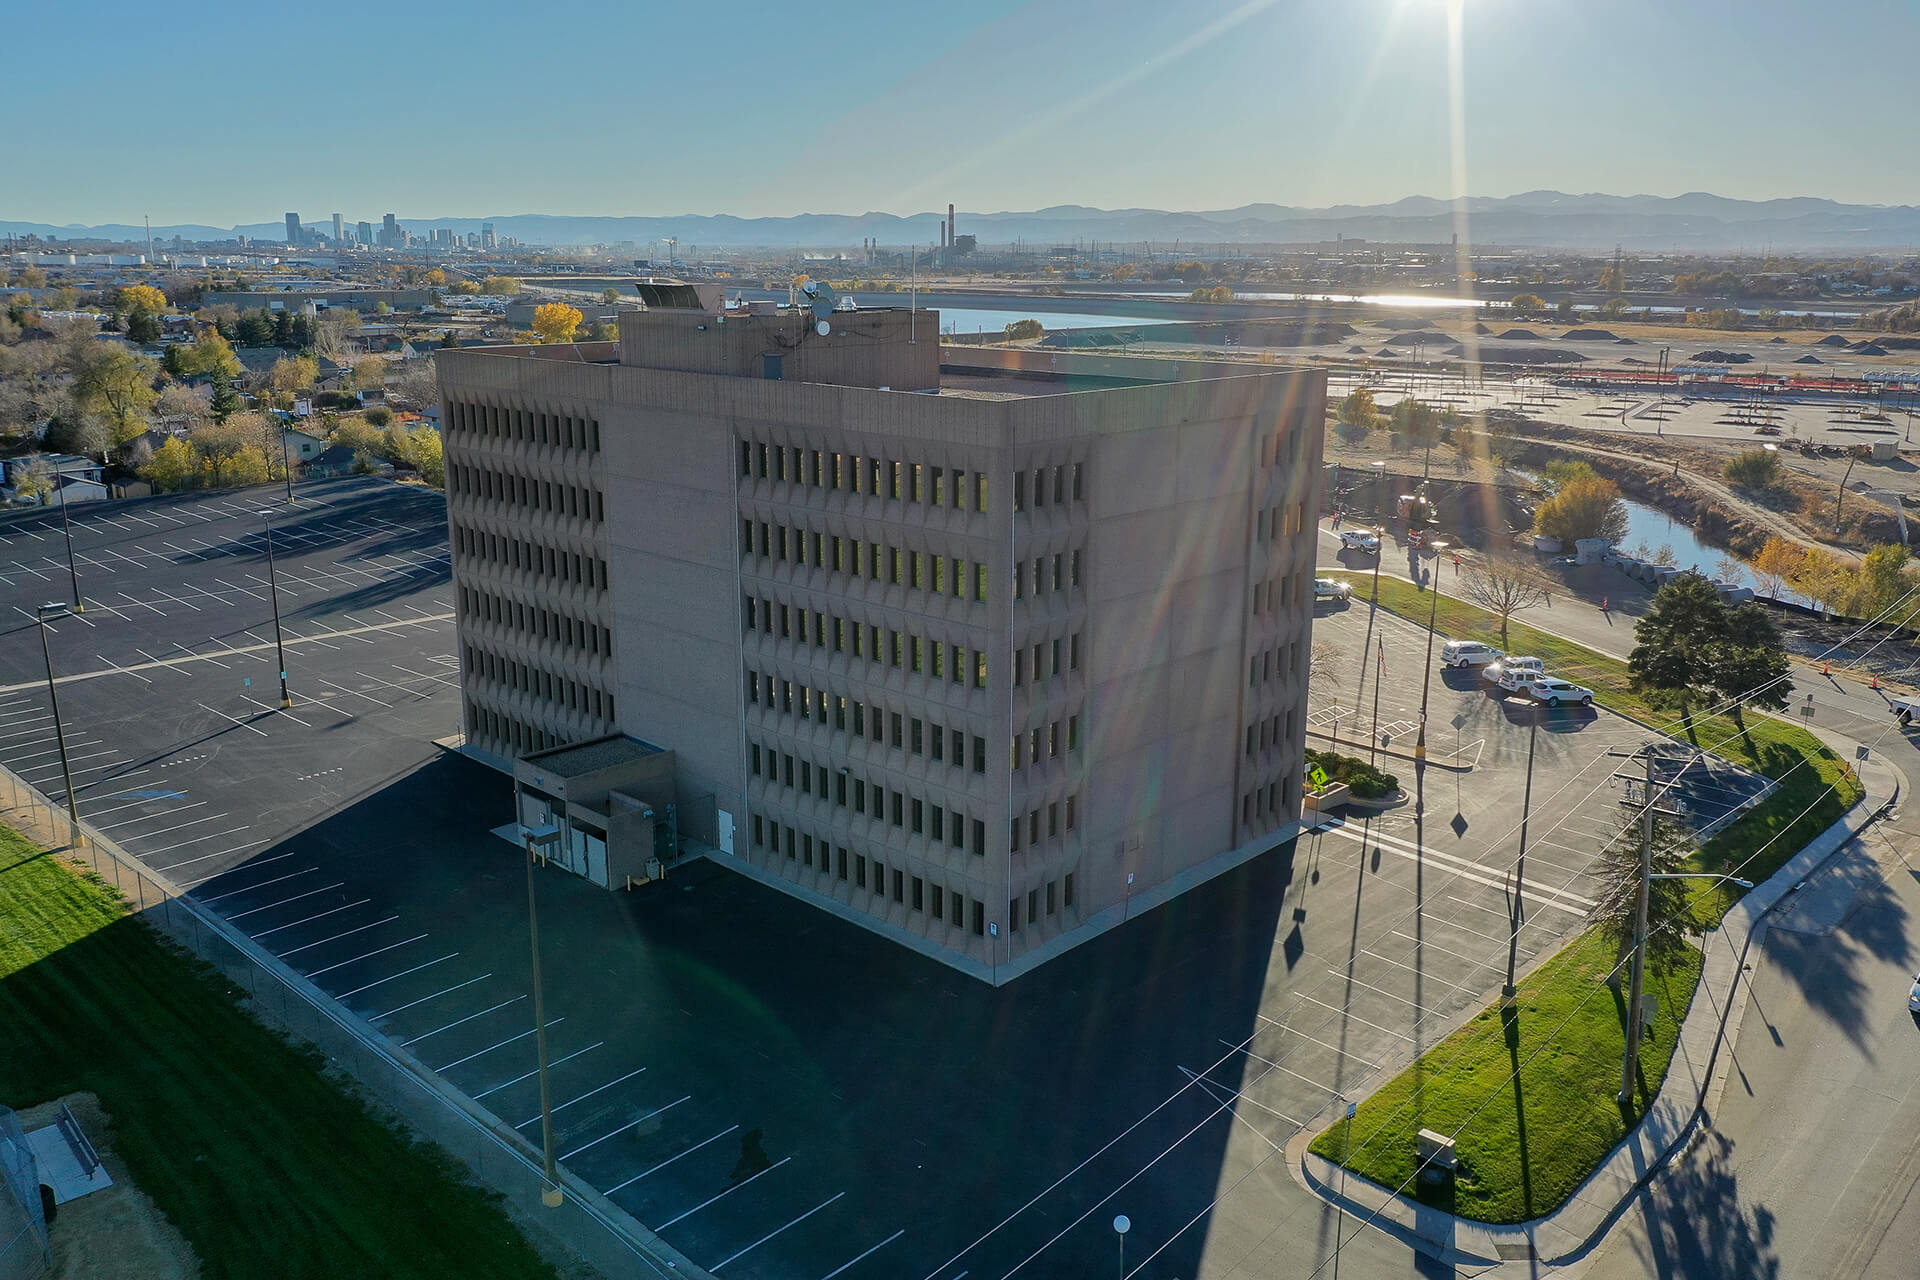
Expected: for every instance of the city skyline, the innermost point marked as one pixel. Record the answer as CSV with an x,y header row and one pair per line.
x,y
1269,101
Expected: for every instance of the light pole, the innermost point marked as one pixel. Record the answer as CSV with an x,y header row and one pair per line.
x,y
273,592
45,611
286,461
1517,909
1121,1225
66,523
1340,1204
1426,677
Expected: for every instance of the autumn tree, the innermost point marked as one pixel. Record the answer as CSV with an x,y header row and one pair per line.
x,y
174,464
1778,560
1583,508
211,356
33,479
142,297
1503,585
1019,330
1358,409
500,284
556,321
435,279
293,374
358,435
218,446
1528,303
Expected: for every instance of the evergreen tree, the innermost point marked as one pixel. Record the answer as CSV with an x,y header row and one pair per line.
x,y
225,402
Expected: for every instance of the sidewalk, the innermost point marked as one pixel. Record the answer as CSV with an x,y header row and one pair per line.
x,y
1693,1086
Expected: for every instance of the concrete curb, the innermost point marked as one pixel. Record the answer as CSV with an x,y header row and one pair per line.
x,y
1695,1082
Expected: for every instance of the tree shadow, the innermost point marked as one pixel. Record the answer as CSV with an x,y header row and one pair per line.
x,y
1823,960
1694,1224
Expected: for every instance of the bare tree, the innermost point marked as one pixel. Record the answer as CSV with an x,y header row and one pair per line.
x,y
417,386
1669,902
1323,662
1503,585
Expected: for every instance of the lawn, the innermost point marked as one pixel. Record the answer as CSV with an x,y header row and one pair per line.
x,y
267,1167
1523,1150
1816,786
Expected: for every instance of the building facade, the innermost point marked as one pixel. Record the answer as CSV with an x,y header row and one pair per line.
x,y
982,649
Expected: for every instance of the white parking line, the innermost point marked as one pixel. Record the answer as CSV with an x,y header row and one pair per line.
x,y
457,1022
242,723
864,1256
336,937
242,915
528,1075
291,875
258,862
500,1044
381,982
367,956
217,853
140,603
771,1234
568,1155
588,1094
148,835
122,670
724,1194
669,1160
202,656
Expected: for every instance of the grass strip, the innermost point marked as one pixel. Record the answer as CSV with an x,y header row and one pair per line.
x,y
1526,1141
266,1165
1815,786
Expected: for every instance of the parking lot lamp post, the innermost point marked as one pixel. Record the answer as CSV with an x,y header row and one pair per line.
x,y
47,611
273,592
1426,678
1517,907
1121,1225
73,576
286,462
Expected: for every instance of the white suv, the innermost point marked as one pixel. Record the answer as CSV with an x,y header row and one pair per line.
x,y
1554,692
1513,674
1469,653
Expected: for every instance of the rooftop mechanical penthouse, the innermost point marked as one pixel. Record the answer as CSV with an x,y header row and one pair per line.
x,y
982,649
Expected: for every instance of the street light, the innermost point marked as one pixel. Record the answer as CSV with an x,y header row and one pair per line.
x,y
1426,679
1121,1225
1517,909
273,592
46,611
66,523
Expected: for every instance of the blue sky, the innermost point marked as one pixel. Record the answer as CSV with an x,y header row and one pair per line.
x,y
225,114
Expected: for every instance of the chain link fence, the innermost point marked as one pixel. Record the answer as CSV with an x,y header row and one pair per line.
x,y
25,1251
586,1223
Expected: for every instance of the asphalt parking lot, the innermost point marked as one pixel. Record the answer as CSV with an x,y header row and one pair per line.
x,y
776,1092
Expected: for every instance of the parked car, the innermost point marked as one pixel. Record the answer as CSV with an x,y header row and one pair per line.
x,y
1913,996
1512,674
1469,653
1554,692
1360,540
1332,589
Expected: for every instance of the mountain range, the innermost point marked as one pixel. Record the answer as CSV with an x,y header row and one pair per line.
x,y
1694,222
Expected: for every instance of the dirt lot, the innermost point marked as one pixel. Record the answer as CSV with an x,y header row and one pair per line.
x,y
116,1233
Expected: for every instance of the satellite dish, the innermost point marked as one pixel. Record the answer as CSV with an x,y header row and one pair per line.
x,y
822,328
824,299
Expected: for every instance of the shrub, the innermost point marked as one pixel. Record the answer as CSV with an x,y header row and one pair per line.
x,y
379,415
1753,468
1367,782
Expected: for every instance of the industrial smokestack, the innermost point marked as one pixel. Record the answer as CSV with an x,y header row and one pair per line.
x,y
950,225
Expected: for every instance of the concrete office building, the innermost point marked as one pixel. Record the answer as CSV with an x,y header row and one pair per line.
x,y
981,649
293,228
339,229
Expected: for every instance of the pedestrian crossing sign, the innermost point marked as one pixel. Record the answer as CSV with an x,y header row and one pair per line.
x,y
1320,778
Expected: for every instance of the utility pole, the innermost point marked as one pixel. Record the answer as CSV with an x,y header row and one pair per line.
x,y
59,729
273,593
1649,808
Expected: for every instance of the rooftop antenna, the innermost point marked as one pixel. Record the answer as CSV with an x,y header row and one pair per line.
x,y
913,300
